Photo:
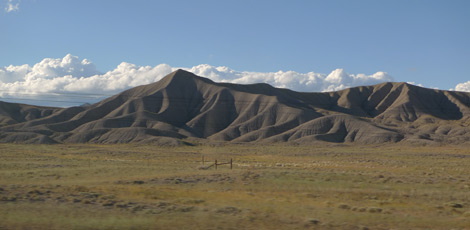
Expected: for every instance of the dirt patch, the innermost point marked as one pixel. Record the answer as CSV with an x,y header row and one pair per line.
x,y
196,179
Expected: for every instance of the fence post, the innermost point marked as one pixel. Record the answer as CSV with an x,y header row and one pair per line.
x,y
215,164
231,165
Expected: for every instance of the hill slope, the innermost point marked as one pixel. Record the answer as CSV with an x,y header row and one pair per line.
x,y
183,105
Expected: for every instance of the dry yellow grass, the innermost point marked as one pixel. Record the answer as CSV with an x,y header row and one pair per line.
x,y
270,187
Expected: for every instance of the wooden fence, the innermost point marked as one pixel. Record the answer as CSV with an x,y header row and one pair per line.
x,y
216,163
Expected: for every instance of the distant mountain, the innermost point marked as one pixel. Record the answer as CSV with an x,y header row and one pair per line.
x,y
13,113
183,105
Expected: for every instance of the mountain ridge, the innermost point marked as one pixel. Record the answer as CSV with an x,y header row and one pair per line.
x,y
183,105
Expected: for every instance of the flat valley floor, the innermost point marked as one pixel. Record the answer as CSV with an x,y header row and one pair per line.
x,y
270,187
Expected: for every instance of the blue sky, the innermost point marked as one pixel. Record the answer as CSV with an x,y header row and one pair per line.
x,y
426,42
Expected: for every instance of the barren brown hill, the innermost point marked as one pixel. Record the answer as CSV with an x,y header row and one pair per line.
x,y
183,105
13,113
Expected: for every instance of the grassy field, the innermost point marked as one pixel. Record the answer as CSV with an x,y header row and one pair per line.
x,y
269,187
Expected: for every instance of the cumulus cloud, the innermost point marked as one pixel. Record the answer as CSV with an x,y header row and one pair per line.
x,y
465,87
12,5
72,81
306,82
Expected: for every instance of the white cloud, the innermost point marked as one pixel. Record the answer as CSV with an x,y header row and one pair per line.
x,y
307,82
465,87
12,5
73,81
14,73
125,76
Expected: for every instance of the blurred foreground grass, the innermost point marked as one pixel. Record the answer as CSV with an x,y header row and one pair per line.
x,y
270,187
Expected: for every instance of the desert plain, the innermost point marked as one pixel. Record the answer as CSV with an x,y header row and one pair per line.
x,y
271,186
